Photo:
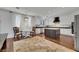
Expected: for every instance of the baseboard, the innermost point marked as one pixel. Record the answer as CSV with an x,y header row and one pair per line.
x,y
10,38
66,35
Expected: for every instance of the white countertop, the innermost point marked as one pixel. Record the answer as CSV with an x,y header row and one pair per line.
x,y
52,28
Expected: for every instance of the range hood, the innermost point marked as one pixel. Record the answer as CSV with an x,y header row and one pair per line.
x,y
56,20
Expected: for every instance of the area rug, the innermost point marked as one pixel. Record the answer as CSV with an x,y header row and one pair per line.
x,y
38,44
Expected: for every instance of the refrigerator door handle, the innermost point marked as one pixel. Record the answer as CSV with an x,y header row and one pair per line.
x,y
72,27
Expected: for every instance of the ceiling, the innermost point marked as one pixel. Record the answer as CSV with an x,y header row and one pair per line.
x,y
52,10
43,11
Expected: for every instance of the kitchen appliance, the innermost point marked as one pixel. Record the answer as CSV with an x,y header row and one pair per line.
x,y
76,32
56,20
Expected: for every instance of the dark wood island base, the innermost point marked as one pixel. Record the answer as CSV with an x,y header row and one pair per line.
x,y
53,33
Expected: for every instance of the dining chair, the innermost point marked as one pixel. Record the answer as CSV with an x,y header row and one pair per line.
x,y
17,33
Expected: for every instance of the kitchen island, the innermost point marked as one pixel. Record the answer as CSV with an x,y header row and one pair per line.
x,y
52,33
65,27
52,27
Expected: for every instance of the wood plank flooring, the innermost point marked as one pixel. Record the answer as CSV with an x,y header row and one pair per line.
x,y
66,41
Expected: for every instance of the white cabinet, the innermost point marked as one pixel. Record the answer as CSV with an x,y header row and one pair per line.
x,y
38,31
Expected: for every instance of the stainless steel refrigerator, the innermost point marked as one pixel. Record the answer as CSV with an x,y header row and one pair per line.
x,y
76,32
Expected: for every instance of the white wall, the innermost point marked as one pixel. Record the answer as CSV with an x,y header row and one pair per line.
x,y
66,20
6,23
36,21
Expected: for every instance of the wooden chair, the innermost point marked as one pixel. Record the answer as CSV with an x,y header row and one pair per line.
x,y
33,32
17,33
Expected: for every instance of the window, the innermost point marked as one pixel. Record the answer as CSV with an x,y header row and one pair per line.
x,y
27,24
28,21
17,20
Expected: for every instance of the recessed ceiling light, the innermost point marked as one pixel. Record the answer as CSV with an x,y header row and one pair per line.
x,y
63,7
17,7
11,11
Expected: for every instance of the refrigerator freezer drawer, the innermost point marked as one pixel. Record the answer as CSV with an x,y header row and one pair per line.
x,y
76,43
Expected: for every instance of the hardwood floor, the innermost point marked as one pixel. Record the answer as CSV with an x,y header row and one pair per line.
x,y
66,41
9,45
